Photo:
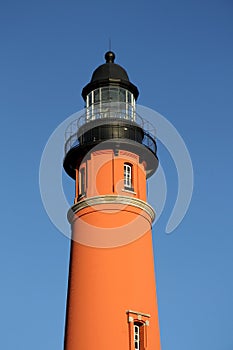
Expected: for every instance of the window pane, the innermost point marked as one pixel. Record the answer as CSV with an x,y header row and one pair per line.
x,y
129,97
96,95
104,94
113,95
122,95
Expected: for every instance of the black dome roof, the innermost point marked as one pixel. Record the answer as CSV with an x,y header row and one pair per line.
x,y
107,74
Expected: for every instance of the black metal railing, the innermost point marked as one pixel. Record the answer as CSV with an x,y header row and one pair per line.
x,y
107,126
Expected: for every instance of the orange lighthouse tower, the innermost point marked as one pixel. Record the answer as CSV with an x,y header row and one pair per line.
x,y
109,152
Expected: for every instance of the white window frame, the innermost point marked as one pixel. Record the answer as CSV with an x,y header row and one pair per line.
x,y
128,176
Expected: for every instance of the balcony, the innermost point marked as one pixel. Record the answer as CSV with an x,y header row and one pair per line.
x,y
110,121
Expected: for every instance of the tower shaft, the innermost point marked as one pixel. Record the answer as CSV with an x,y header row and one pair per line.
x,y
105,285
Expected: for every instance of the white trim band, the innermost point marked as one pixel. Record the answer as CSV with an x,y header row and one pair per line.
x,y
111,199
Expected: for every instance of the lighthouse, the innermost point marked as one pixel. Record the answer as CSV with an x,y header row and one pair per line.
x,y
110,152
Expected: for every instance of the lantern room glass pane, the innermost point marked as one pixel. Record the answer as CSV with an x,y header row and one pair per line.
x,y
96,95
110,101
113,95
122,95
110,94
104,94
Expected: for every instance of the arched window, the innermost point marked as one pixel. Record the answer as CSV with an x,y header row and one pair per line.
x,y
128,176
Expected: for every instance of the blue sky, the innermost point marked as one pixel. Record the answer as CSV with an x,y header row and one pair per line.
x,y
180,55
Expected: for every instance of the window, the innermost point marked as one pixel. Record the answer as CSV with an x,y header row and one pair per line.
x,y
81,181
128,176
138,329
136,337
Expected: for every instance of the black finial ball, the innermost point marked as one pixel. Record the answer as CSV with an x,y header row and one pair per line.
x,y
110,57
